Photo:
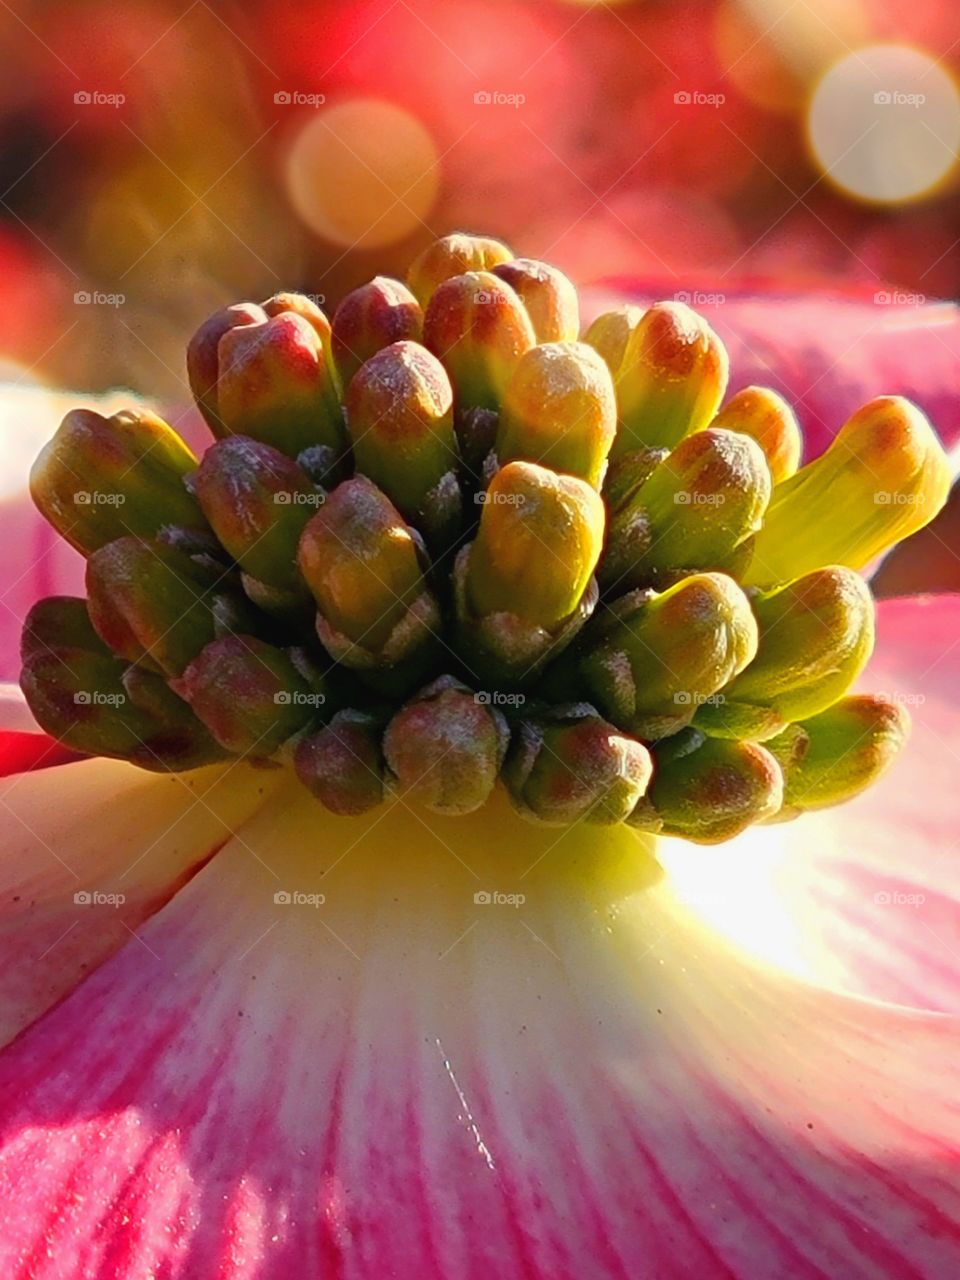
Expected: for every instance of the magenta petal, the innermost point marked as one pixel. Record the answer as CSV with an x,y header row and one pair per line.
x,y
398,1082
827,354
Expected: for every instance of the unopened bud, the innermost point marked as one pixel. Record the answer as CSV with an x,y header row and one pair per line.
x,y
835,755
559,408
549,297
445,748
698,509
884,476
100,478
299,304
816,635
537,546
479,328
342,764
150,603
59,622
257,501
709,790
672,378
249,694
452,256
361,563
203,361
375,316
276,384
400,416
610,333
571,764
661,657
766,417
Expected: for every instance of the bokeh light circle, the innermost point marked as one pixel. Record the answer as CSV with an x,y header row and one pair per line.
x,y
884,123
363,173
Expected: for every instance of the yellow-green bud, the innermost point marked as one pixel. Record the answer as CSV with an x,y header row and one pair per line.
x,y
203,361
452,256
559,408
672,378
766,417
370,318
479,328
610,333
884,476
549,297
100,478
816,635
661,657
342,764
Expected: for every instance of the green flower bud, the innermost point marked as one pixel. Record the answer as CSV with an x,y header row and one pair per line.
x,y
559,408
766,417
453,256
257,501
610,333
476,436
445,748
655,659
342,764
816,635
884,476
709,790
549,297
400,416
276,384
249,694
479,328
203,362
99,478
571,764
299,304
697,510
672,378
362,564
835,755
59,622
370,318
537,546
149,603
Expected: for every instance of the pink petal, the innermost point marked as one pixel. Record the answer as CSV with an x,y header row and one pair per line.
x,y
23,745
864,897
402,1083
827,354
98,827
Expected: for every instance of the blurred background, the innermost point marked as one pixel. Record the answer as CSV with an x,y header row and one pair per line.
x,y
161,157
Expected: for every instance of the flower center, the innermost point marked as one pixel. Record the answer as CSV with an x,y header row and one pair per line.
x,y
441,542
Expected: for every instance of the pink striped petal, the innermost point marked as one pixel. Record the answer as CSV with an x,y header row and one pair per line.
x,y
401,1082
828,354
864,897
88,851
